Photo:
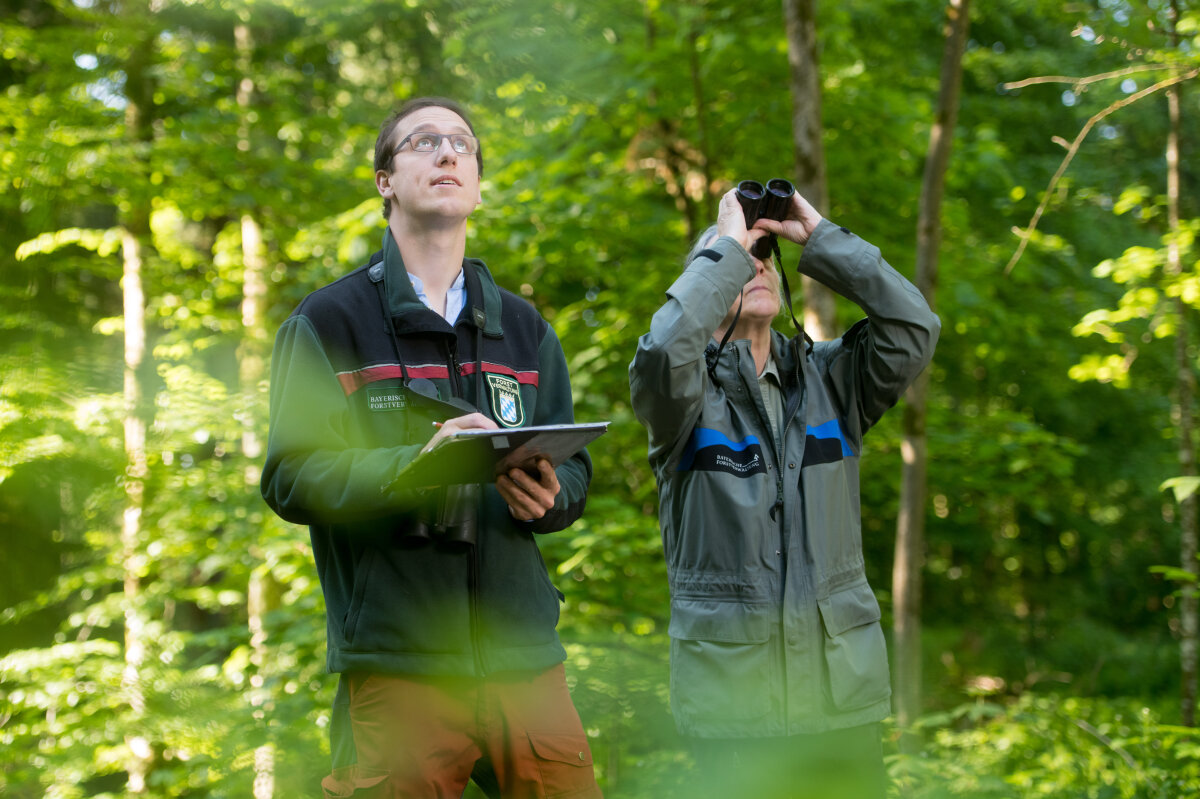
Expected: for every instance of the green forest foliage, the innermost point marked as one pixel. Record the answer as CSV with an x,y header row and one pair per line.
x,y
609,131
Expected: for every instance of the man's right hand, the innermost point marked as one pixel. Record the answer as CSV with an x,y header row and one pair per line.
x,y
472,421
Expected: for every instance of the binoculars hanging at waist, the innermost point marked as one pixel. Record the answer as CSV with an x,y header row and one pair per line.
x,y
451,519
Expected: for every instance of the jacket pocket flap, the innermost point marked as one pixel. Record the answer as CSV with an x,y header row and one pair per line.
x,y
561,748
731,622
845,610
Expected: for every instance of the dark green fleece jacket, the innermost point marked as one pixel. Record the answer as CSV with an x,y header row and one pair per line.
x,y
360,372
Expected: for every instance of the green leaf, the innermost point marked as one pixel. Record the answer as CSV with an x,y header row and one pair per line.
x,y
1182,487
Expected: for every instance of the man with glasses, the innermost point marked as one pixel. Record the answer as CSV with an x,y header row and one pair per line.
x,y
440,613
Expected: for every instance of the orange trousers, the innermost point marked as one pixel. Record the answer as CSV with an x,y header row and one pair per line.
x,y
419,736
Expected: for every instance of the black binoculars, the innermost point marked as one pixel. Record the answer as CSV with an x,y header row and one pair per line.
x,y
764,202
454,521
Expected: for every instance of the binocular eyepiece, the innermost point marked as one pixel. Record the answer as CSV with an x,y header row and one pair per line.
x,y
764,202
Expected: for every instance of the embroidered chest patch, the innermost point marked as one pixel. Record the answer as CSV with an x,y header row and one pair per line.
x,y
506,400
386,399
711,451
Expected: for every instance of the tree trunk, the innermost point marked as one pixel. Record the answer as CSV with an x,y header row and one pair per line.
x,y
910,525
701,114
135,223
263,591
262,597
135,476
1185,392
800,22
252,352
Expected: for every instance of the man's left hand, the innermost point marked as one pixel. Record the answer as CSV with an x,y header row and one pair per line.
x,y
529,497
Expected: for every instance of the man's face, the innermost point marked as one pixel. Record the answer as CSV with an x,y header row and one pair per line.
x,y
439,185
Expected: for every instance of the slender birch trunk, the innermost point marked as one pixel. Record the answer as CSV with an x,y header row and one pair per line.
x,y
135,222
135,475
263,591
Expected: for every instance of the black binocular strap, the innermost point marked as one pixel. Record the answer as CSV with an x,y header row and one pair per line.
x,y
390,326
479,316
787,294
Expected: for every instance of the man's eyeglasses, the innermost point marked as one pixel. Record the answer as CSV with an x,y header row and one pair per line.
x,y
426,142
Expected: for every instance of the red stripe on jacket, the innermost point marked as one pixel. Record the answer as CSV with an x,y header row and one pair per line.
x,y
526,378
353,381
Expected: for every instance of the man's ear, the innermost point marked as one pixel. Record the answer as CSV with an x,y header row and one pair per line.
x,y
383,183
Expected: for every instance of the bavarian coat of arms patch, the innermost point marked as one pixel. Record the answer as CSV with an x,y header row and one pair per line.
x,y
506,400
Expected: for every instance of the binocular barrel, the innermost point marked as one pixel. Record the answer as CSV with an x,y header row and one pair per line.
x,y
765,202
459,515
454,521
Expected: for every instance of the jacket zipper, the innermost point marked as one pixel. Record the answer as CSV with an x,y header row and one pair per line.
x,y
776,446
452,352
789,411
473,560
780,516
473,592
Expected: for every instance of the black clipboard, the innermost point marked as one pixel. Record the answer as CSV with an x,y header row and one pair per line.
x,y
478,456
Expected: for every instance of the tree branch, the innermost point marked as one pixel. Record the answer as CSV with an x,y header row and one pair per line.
x,y
1120,73
1027,233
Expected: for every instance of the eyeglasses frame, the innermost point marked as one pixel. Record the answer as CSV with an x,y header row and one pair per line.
x,y
440,138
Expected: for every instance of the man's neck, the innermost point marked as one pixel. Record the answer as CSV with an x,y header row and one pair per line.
x,y
435,255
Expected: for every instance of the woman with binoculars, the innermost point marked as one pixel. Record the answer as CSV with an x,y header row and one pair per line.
x,y
779,673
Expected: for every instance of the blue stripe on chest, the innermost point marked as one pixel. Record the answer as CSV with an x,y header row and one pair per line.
x,y
711,451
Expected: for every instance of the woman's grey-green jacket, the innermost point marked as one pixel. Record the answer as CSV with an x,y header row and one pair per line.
x,y
774,629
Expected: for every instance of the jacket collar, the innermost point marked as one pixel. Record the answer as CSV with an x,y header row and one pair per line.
x,y
482,308
737,361
784,349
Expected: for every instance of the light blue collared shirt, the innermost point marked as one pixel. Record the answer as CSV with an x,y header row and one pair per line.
x,y
456,297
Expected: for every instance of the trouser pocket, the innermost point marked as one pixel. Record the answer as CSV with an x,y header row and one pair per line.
x,y
564,762
353,782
